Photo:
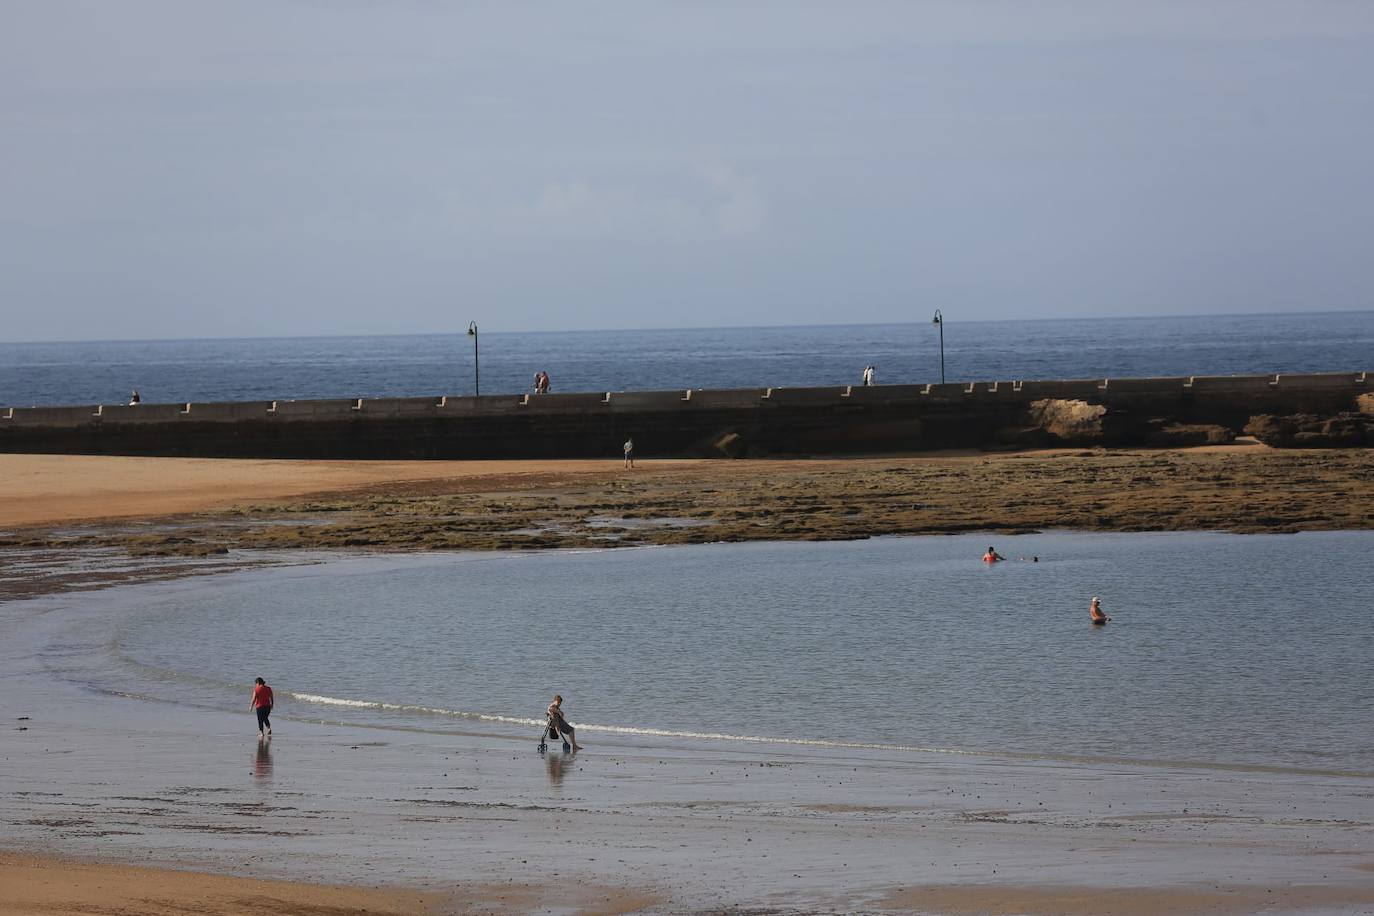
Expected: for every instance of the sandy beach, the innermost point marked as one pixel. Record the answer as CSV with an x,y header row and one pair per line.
x,y
112,804
46,489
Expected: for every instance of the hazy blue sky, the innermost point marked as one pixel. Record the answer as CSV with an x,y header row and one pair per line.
x,y
182,169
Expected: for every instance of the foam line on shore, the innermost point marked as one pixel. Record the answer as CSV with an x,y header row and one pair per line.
x,y
634,731
623,729
404,707
165,674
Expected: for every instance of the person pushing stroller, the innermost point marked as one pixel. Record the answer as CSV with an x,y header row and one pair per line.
x,y
558,724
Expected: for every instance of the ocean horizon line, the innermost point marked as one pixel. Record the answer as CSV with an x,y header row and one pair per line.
x,y
459,333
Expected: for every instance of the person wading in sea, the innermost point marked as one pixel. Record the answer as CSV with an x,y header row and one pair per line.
x,y
262,705
557,721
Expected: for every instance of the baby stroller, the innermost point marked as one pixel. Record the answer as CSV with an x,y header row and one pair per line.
x,y
550,730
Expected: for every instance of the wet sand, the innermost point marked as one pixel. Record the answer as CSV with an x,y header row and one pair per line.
x,y
47,885
686,828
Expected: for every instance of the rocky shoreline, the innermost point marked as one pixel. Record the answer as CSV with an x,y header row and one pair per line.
x,y
1240,488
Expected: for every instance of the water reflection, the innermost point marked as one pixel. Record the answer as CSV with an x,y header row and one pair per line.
x,y
262,759
557,763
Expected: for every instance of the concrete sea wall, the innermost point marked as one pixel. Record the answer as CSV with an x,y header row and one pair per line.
x,y
739,422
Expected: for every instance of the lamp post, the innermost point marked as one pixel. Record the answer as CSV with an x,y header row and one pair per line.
x,y
476,364
940,323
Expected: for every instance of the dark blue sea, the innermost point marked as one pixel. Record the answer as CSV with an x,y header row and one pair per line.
x,y
420,365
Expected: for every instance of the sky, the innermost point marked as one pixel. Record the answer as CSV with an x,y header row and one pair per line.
x,y
174,168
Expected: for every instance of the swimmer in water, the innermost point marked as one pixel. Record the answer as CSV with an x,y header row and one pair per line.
x,y
992,556
1095,610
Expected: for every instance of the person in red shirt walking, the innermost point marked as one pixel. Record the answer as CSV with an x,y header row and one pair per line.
x,y
262,705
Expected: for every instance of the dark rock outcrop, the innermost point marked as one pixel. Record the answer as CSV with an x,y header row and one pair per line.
x,y
1345,430
1165,433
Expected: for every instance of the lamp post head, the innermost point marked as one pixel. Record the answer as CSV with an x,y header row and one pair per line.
x,y
472,329
938,319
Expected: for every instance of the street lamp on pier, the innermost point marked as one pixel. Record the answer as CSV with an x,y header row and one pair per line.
x,y
940,323
476,364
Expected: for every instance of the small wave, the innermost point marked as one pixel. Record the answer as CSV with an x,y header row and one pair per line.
x,y
826,743
767,739
618,729
404,707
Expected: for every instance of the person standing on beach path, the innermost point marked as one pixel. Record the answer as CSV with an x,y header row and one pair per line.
x,y
868,376
262,705
557,721
629,453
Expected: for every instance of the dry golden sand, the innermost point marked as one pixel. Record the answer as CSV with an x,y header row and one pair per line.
x,y
49,489
49,886
39,885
